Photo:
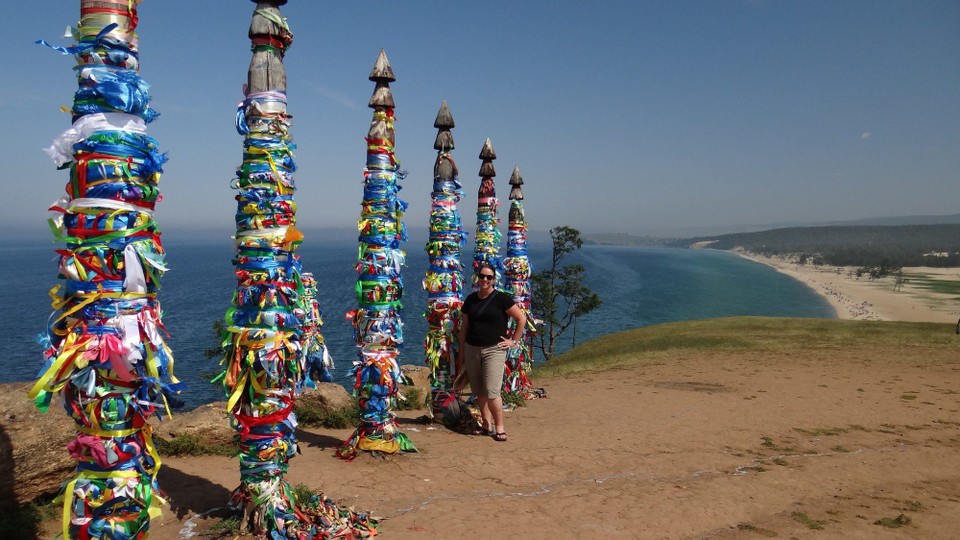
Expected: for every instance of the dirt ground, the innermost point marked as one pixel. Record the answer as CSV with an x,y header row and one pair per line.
x,y
698,445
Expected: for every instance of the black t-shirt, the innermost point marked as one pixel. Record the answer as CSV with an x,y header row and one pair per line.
x,y
487,318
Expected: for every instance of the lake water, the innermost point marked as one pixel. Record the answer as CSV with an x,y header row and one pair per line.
x,y
638,286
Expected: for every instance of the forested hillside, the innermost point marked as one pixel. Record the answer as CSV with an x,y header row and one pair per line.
x,y
906,245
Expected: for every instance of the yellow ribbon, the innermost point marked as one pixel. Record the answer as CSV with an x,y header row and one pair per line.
x,y
69,350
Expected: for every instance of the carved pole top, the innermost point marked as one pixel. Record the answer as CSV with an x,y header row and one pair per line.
x,y
516,192
444,122
382,72
444,118
487,153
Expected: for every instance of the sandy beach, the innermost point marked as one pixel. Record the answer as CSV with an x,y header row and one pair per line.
x,y
875,299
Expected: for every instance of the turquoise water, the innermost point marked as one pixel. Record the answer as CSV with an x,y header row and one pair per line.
x,y
638,286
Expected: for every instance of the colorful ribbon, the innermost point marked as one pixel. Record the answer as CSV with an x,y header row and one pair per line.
x,y
103,347
377,323
272,341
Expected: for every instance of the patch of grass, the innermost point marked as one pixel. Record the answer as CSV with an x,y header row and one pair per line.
x,y
650,344
908,397
780,461
312,414
303,493
229,526
768,443
839,448
857,427
806,520
753,528
191,445
514,398
821,432
413,399
894,523
934,285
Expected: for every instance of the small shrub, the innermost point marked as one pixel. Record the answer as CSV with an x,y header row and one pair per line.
x,y
413,399
752,528
515,399
312,414
229,526
191,445
303,494
893,523
806,520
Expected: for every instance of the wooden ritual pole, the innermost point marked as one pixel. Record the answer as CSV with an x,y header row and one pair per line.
x,y
444,278
487,239
266,364
318,359
517,270
377,324
104,348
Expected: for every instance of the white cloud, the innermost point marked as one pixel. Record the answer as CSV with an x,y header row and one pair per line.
x,y
865,135
331,94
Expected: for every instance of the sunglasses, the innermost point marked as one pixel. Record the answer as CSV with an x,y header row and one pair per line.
x,y
487,277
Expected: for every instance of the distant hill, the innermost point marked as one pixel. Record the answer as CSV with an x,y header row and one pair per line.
x,y
849,245
948,219
623,239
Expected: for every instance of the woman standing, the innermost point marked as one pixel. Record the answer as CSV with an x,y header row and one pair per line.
x,y
484,344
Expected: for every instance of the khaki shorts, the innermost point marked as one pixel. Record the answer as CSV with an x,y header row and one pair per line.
x,y
485,367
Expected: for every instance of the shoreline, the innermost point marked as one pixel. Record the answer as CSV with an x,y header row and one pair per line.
x,y
866,299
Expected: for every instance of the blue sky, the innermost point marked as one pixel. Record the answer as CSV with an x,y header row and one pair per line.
x,y
623,116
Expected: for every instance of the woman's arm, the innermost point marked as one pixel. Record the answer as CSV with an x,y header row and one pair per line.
x,y
518,315
464,323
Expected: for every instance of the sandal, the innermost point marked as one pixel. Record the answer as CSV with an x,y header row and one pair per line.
x,y
500,436
481,431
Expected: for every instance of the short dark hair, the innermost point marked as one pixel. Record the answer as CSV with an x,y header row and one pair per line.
x,y
485,264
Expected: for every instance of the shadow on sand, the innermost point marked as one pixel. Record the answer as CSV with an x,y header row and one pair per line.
x,y
191,494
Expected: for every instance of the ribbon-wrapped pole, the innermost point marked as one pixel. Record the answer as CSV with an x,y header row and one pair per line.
x,y
517,270
318,359
444,278
269,322
377,323
104,348
487,241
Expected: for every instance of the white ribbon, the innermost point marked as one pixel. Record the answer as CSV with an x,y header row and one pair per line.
x,y
263,233
107,204
61,151
134,281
